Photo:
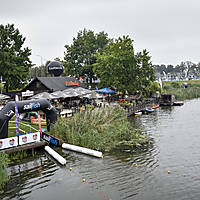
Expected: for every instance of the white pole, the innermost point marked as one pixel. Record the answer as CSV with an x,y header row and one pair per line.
x,y
82,150
55,155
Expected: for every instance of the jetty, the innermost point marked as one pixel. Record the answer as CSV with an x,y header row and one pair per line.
x,y
30,146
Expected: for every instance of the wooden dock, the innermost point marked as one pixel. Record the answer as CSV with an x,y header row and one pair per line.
x,y
30,146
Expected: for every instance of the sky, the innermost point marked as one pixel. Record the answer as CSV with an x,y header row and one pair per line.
x,y
168,29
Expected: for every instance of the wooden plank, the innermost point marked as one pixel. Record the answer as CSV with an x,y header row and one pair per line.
x,y
33,145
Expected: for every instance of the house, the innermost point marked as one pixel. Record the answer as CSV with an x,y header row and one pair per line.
x,y
52,84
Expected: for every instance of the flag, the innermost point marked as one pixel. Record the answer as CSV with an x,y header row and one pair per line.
x,y
16,118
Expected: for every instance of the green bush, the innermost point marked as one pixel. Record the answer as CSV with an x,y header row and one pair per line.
x,y
101,129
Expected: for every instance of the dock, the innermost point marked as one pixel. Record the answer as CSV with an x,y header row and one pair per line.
x,y
29,146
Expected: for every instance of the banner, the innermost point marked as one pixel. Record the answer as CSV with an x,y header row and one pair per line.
x,y
16,118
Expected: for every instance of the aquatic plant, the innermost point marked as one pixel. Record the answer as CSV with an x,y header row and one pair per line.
x,y
3,173
102,129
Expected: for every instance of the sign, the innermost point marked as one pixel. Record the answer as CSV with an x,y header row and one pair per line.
x,y
71,83
28,93
50,139
29,138
8,142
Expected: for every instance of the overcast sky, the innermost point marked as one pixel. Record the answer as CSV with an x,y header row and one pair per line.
x,y
168,29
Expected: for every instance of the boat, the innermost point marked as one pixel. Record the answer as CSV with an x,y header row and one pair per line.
x,y
137,113
147,110
156,106
178,103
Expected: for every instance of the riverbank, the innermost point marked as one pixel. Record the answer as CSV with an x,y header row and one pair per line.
x,y
175,87
103,129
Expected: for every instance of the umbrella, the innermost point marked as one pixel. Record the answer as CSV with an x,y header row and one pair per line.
x,y
43,95
105,91
3,96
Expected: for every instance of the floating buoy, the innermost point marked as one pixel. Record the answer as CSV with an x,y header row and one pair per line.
x,y
136,165
82,150
55,155
70,169
169,172
83,180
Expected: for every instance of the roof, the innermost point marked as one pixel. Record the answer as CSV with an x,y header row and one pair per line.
x,y
54,83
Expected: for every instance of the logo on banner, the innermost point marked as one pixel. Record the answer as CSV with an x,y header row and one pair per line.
x,y
1,144
9,113
31,106
35,136
24,139
12,142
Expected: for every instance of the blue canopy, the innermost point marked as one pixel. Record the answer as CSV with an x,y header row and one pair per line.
x,y
106,91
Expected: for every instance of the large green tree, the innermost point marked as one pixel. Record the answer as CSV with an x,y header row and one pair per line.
x,y
119,67
81,55
14,59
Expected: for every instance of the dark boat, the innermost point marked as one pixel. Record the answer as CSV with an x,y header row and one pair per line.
x,y
178,103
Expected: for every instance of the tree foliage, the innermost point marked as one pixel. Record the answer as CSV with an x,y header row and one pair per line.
x,y
14,59
119,67
81,55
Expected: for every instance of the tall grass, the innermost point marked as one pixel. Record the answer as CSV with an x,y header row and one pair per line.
x,y
101,129
3,173
174,87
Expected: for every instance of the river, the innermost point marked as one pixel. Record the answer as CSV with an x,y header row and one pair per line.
x,y
167,169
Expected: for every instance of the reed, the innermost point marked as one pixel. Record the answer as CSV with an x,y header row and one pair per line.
x,y
101,129
174,87
4,161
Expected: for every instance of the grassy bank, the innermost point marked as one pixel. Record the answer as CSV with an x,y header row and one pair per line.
x,y
174,87
102,129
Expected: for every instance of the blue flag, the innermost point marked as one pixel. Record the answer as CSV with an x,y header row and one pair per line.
x,y
16,118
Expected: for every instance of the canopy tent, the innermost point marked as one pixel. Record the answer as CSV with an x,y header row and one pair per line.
x,y
94,95
82,91
59,94
105,91
3,97
75,92
43,95
70,92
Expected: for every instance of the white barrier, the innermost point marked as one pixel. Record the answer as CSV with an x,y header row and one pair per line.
x,y
29,138
82,150
55,155
8,142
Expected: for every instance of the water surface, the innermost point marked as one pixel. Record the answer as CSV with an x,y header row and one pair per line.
x,y
141,175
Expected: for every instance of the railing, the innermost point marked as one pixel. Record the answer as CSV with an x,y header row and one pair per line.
x,y
28,125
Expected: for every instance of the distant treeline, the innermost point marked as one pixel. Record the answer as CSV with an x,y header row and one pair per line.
x,y
185,69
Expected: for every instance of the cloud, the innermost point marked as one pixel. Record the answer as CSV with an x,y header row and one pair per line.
x,y
168,29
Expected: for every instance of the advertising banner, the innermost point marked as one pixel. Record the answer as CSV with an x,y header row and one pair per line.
x,y
29,138
8,142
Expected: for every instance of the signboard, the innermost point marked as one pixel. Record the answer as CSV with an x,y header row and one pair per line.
x,y
71,83
28,93
50,139
29,138
8,142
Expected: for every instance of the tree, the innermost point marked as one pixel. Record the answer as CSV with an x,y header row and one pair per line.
x,y
120,68
14,59
81,55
